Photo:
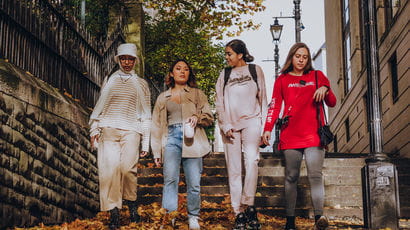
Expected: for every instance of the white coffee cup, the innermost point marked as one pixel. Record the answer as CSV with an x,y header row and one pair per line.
x,y
95,144
189,130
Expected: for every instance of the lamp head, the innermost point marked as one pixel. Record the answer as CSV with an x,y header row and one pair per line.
x,y
276,30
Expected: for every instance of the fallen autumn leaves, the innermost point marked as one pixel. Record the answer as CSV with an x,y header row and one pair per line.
x,y
214,216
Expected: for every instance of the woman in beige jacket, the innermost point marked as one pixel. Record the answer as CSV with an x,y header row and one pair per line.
x,y
182,107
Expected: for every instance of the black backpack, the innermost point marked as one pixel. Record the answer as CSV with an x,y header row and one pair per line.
x,y
252,70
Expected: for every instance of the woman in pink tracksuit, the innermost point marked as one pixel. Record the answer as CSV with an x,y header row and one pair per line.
x,y
240,105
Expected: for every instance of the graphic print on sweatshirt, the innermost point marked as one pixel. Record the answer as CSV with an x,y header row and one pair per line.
x,y
241,95
297,94
239,80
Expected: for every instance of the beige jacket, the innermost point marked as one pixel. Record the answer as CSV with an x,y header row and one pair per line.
x,y
194,102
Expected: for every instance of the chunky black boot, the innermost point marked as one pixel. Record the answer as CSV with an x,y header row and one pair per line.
x,y
321,222
252,216
240,222
133,208
114,219
290,223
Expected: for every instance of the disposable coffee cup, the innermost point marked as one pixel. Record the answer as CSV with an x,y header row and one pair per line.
x,y
189,130
95,144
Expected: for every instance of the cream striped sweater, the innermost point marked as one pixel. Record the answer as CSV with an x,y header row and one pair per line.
x,y
120,106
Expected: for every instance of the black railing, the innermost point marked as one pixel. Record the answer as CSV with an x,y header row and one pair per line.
x,y
36,37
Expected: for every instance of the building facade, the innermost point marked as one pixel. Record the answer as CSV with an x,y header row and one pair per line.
x,y
347,71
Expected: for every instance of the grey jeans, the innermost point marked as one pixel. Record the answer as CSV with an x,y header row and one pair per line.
x,y
314,157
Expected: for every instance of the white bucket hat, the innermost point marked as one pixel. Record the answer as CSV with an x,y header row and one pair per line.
x,y
126,49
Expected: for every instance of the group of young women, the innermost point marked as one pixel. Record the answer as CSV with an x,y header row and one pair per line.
x,y
121,121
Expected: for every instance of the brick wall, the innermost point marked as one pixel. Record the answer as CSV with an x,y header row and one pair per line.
x,y
47,171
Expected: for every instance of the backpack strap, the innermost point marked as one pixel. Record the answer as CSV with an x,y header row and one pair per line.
x,y
252,70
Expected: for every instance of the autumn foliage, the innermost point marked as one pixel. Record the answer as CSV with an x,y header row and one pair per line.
x,y
213,216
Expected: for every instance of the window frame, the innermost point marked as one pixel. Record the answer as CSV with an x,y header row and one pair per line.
x,y
347,52
394,76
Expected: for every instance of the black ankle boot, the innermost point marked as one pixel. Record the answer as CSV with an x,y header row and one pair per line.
x,y
114,219
252,216
321,222
290,223
133,208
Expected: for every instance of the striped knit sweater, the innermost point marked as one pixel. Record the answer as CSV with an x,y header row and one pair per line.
x,y
121,106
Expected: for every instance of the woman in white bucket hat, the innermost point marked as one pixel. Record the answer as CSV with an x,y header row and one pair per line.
x,y
120,125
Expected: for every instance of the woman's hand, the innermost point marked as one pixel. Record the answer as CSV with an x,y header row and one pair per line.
x,y
94,138
266,137
192,120
143,153
229,134
158,162
320,93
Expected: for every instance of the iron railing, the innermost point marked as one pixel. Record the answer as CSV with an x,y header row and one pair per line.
x,y
36,37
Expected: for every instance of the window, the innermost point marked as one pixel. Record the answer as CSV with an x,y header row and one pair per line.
x,y
347,127
346,47
391,7
362,35
335,144
394,78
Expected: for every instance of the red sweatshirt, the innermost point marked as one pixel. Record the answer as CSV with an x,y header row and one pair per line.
x,y
297,94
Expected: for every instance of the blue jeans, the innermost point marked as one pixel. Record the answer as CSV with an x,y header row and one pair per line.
x,y
192,170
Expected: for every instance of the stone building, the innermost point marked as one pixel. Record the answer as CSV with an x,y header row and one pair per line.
x,y
347,71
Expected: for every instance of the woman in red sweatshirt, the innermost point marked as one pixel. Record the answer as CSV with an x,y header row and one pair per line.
x,y
296,87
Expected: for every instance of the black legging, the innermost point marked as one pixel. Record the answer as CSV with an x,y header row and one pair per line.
x,y
314,157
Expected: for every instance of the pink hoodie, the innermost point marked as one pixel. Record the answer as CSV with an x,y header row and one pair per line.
x,y
240,104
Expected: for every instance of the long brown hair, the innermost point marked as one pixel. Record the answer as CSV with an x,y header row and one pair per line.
x,y
288,66
169,80
239,47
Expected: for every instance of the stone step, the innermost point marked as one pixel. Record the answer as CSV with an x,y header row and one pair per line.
x,y
273,206
213,190
218,160
207,180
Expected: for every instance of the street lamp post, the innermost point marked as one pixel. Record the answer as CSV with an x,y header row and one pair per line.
x,y
298,26
381,206
276,31
296,16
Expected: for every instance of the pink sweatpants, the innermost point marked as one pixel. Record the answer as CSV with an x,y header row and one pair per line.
x,y
246,141
117,167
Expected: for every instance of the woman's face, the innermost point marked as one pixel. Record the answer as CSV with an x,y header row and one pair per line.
x,y
180,73
231,57
300,59
127,62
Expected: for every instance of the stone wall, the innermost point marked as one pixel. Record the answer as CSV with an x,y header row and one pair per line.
x,y
47,172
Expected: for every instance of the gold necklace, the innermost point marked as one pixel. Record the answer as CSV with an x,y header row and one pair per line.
x,y
125,80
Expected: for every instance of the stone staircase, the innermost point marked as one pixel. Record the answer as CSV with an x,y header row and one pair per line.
x,y
270,192
342,178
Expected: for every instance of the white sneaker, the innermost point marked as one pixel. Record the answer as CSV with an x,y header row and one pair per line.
x,y
193,222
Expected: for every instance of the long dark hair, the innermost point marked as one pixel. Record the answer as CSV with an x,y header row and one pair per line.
x,y
170,81
288,66
239,47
